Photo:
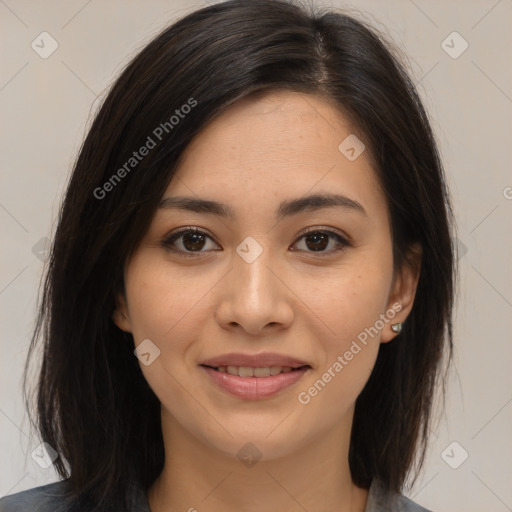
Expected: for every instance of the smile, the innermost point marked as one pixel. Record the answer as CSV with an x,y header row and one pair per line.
x,y
248,371
254,383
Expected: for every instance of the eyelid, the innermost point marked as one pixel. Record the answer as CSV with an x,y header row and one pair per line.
x,y
327,229
188,229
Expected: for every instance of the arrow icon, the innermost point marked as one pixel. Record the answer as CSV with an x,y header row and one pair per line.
x,y
44,45
44,455
454,455
454,45
351,147
249,455
147,352
249,249
40,249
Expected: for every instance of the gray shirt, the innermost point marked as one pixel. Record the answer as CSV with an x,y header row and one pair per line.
x,y
47,498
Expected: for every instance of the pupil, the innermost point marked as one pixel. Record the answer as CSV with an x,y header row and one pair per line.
x,y
319,237
196,243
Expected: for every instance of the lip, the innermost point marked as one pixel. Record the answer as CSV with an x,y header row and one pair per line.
x,y
254,388
263,360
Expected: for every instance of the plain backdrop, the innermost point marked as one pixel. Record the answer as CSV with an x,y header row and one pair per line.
x,y
47,103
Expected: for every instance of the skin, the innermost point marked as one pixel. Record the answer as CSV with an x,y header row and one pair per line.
x,y
261,151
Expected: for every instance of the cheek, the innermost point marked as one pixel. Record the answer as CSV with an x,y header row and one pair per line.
x,y
349,309
348,298
160,299
350,342
164,305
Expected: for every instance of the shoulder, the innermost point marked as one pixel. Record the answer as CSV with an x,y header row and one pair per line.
x,y
407,505
46,498
381,499
57,498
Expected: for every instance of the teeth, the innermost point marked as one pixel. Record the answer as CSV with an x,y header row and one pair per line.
x,y
261,372
246,371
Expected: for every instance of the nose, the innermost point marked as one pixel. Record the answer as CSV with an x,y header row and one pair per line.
x,y
254,297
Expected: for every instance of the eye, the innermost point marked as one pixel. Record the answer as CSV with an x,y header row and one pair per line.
x,y
317,241
192,241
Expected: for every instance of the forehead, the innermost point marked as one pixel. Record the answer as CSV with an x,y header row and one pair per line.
x,y
278,144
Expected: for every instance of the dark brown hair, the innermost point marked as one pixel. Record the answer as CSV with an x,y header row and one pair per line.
x,y
93,404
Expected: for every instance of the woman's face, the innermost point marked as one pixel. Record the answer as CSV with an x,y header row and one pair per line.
x,y
314,284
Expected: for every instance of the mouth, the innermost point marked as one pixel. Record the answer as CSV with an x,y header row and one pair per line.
x,y
258,372
254,383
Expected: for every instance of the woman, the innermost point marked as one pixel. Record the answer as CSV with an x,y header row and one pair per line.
x,y
251,283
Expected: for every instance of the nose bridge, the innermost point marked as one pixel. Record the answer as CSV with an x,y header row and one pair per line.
x,y
254,296
253,280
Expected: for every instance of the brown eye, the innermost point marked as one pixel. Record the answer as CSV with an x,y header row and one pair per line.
x,y
318,241
190,241
194,242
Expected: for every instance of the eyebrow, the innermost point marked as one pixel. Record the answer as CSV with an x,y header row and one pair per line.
x,y
286,209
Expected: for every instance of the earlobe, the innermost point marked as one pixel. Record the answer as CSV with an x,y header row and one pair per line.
x,y
120,315
396,327
404,292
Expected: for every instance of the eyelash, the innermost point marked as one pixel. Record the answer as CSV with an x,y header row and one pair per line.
x,y
168,241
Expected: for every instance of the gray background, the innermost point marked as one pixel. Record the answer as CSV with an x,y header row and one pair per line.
x,y
48,103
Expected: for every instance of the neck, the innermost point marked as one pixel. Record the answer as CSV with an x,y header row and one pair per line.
x,y
315,477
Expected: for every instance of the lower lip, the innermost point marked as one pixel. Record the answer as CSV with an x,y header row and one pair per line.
x,y
254,388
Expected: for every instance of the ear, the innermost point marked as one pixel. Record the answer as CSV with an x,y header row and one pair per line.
x,y
120,316
403,290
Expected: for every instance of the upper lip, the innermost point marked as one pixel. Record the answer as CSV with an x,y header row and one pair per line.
x,y
262,360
